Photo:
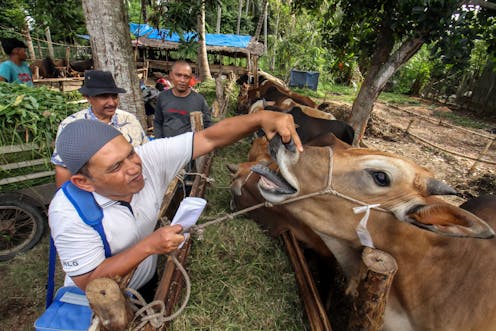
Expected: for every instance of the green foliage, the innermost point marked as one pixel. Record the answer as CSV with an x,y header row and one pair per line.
x,y
29,114
298,44
229,18
11,16
414,74
360,28
64,17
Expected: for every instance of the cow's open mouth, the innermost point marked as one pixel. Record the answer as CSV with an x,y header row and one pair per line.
x,y
271,181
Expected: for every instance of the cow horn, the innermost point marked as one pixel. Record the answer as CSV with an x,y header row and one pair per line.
x,y
437,187
233,168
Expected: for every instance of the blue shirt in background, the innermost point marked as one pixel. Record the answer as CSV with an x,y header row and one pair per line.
x,y
12,73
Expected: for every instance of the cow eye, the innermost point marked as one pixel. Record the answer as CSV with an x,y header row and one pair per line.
x,y
380,178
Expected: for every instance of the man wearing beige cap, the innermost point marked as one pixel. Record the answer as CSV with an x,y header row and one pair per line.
x,y
128,184
100,90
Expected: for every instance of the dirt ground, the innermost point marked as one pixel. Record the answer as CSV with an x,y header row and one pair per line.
x,y
386,131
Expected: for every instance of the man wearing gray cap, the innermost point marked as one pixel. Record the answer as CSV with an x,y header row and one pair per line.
x,y
100,90
129,184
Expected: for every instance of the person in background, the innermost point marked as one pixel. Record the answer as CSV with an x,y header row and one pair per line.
x,y
100,90
163,84
15,69
172,114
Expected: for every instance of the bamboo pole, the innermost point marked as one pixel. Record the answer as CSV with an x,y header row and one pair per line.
x,y
479,158
376,275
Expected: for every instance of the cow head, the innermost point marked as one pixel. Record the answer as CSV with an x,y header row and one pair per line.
x,y
362,176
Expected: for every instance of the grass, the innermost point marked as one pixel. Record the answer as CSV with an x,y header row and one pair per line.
x,y
241,277
327,91
398,99
462,120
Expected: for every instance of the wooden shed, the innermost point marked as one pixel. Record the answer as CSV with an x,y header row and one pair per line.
x,y
154,48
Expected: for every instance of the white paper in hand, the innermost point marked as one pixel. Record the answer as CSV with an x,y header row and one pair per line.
x,y
188,213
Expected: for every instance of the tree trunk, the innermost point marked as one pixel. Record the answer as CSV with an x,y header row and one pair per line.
x,y
383,66
202,50
247,7
219,16
240,9
48,36
260,21
276,39
144,14
110,40
266,13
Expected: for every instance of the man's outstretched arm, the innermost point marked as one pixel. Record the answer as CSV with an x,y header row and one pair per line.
x,y
233,129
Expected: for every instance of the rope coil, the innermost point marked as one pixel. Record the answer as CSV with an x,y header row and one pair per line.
x,y
147,313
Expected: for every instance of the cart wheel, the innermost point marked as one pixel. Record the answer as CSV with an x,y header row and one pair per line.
x,y
21,227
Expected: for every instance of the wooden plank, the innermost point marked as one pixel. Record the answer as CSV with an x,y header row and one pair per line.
x,y
23,164
18,148
58,80
317,316
22,178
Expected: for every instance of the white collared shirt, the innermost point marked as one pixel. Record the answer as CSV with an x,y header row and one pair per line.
x,y
80,247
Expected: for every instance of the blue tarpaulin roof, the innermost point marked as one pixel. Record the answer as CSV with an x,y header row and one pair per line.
x,y
83,36
228,40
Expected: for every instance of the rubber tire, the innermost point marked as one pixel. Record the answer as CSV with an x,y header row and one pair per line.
x,y
11,207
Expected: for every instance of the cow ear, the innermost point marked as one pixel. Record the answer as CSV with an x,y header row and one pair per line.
x,y
449,220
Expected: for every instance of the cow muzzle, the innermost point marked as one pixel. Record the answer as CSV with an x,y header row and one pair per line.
x,y
278,186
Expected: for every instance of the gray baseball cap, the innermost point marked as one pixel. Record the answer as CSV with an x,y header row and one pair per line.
x,y
81,139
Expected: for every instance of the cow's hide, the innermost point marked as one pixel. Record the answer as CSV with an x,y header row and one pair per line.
x,y
445,279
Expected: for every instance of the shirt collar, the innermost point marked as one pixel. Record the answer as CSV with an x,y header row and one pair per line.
x,y
113,120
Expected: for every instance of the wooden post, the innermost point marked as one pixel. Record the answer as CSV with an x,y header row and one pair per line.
x,y
376,275
109,304
196,119
408,128
218,105
316,313
484,151
40,51
36,72
255,70
67,60
29,41
48,36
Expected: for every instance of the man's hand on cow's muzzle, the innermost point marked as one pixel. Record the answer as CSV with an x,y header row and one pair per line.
x,y
282,124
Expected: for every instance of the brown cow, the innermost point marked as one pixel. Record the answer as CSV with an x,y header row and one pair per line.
x,y
270,91
442,283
